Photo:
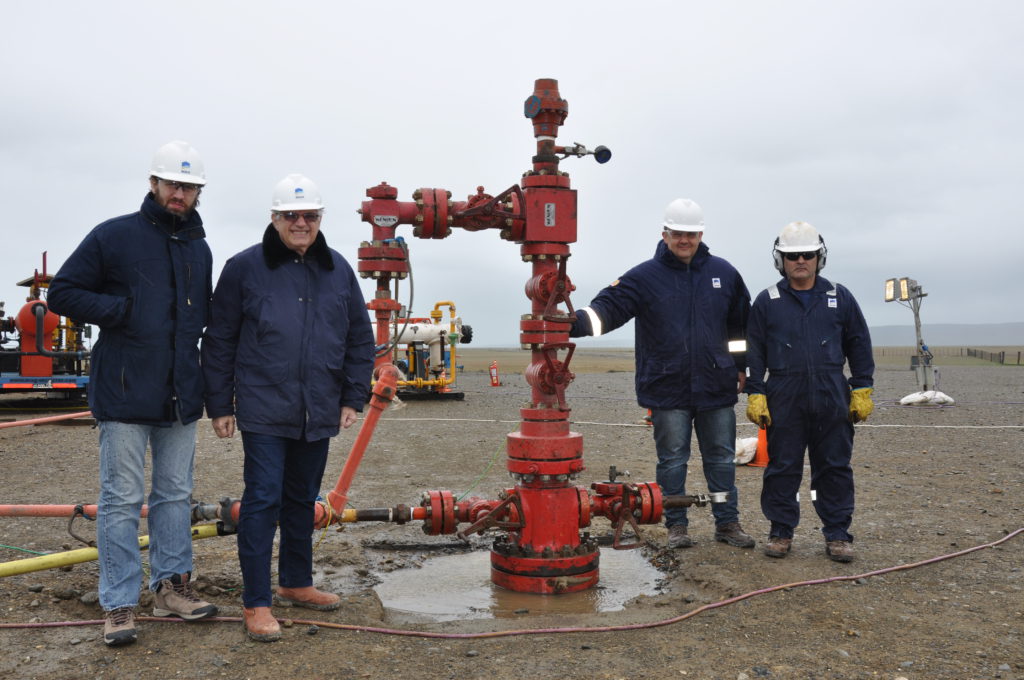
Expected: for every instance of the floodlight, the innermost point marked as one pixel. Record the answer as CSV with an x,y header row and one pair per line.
x,y
905,288
902,289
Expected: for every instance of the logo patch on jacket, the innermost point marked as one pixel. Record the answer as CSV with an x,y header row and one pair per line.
x,y
833,303
716,282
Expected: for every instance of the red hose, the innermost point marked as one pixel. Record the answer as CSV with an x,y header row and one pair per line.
x,y
48,419
545,631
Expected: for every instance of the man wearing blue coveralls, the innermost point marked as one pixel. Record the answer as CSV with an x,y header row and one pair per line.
x,y
802,331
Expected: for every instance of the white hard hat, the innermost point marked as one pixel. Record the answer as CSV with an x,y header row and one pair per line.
x,y
297,192
799,237
178,161
683,214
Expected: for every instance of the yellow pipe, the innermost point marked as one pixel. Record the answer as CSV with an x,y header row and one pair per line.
x,y
82,555
451,335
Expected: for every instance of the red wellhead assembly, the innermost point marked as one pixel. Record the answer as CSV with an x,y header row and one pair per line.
x,y
541,548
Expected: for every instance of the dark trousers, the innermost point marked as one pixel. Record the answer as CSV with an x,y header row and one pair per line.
x,y
828,440
282,480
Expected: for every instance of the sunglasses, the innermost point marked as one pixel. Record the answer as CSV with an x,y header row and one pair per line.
x,y
809,255
184,186
309,217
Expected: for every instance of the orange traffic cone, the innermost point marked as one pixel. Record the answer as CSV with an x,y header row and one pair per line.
x,y
761,456
647,418
494,374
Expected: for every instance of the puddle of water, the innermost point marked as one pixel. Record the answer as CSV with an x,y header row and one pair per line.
x,y
458,587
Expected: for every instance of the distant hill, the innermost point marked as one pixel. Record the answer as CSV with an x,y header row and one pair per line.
x,y
951,334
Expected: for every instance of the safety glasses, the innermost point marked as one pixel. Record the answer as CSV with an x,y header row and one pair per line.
x,y
189,189
309,217
809,255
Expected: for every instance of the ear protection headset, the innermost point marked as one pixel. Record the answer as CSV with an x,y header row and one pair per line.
x,y
777,256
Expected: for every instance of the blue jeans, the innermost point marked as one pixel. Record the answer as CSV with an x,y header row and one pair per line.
x,y
122,488
716,436
282,480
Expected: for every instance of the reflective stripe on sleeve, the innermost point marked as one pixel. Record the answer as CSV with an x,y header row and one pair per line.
x,y
737,345
595,321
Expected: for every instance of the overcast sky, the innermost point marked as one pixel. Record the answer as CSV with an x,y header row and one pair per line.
x,y
894,127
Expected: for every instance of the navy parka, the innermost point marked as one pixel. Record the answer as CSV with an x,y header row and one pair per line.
x,y
145,279
289,341
686,314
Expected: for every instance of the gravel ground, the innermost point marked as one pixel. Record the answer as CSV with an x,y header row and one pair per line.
x,y
931,482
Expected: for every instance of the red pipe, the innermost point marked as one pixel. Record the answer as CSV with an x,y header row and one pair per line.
x,y
383,393
48,419
51,510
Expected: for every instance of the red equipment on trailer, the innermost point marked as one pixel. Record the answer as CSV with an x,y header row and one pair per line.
x,y
50,355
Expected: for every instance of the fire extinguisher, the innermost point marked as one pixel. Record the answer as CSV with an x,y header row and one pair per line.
x,y
494,374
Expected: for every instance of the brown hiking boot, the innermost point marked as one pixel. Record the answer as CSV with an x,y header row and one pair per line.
x,y
176,597
839,551
119,627
777,546
732,533
679,537
260,624
308,597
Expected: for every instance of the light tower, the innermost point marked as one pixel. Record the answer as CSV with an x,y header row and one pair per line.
x,y
908,292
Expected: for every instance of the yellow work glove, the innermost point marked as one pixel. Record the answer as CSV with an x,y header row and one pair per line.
x,y
861,405
757,410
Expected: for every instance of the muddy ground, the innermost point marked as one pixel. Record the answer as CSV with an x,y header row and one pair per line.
x,y
931,482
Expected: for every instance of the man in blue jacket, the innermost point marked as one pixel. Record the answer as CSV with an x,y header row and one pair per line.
x,y
287,357
145,280
802,330
691,312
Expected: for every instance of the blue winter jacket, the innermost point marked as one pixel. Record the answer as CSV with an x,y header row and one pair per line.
x,y
145,279
289,341
804,348
686,314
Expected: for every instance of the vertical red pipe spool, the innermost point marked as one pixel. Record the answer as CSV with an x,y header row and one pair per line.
x,y
546,555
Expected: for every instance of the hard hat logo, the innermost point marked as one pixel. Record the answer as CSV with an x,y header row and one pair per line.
x,y
186,168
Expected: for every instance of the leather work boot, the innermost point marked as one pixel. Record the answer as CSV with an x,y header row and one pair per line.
x,y
732,533
839,551
308,597
176,597
679,537
260,624
119,627
778,547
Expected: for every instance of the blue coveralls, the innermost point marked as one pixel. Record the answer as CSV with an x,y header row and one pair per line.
x,y
803,342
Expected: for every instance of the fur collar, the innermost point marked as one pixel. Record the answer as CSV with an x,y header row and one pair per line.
x,y
276,253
